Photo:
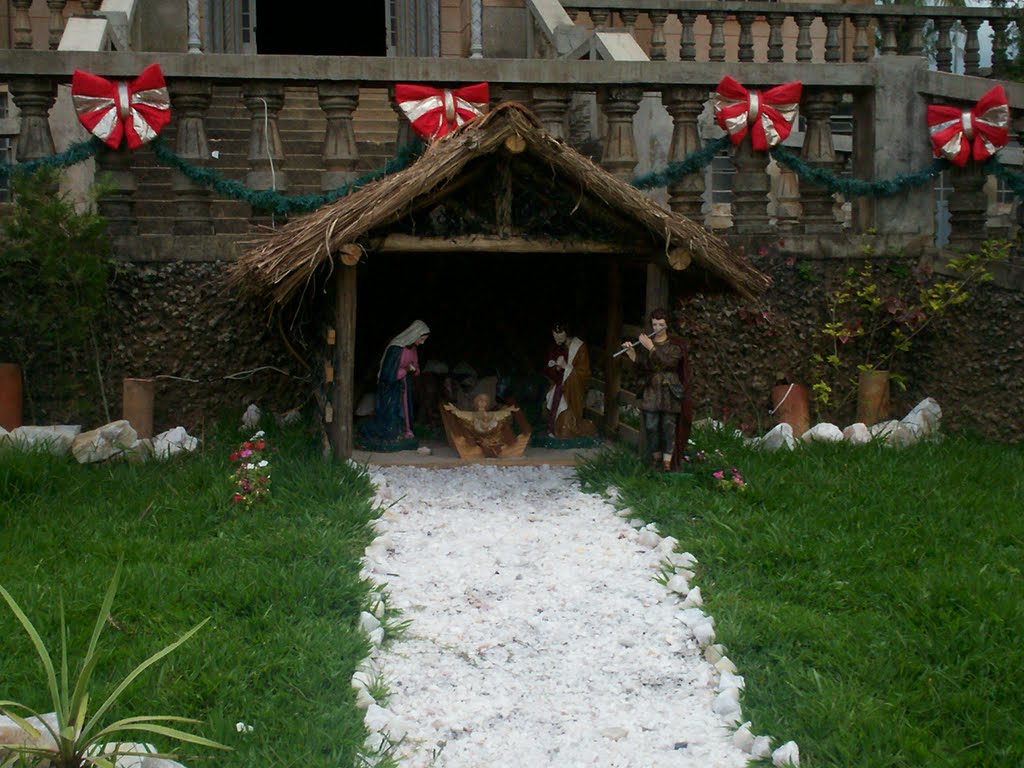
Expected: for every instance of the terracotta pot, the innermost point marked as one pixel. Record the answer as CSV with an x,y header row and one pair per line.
x,y
10,396
873,397
791,405
137,405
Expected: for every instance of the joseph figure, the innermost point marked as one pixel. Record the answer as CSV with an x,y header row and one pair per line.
x,y
568,371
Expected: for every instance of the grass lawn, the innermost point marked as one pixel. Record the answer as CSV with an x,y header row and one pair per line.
x,y
280,583
872,598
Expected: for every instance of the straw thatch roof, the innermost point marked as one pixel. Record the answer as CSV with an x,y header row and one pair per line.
x,y
279,266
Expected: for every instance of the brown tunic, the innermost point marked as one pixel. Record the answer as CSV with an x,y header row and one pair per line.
x,y
662,389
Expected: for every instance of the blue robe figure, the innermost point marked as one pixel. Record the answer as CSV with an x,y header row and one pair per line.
x,y
393,408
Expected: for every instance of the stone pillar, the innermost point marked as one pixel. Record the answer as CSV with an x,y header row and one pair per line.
x,y
600,17
717,51
551,105
405,133
341,155
685,105
833,46
916,26
657,34
195,43
476,44
56,25
999,46
89,7
629,17
687,43
883,148
746,41
266,154
775,23
972,51
968,206
863,43
803,36
190,100
34,98
944,45
21,27
619,104
819,151
117,205
786,191
889,25
749,189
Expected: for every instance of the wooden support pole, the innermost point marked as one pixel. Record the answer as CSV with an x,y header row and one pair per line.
x,y
657,291
340,429
613,340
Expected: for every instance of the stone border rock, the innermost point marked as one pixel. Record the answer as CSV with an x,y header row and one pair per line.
x,y
116,440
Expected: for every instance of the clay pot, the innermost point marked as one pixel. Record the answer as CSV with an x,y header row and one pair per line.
x,y
137,405
10,396
873,397
791,405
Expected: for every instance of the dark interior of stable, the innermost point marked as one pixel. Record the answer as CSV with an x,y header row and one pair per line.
x,y
492,311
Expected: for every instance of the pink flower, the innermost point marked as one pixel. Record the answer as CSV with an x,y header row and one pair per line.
x,y
246,453
719,475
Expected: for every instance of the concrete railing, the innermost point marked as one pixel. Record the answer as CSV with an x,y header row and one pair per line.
x,y
319,96
773,32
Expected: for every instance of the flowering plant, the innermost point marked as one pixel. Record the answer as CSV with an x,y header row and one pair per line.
x,y
730,480
252,471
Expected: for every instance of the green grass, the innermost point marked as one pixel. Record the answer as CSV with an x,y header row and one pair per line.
x,y
280,583
872,598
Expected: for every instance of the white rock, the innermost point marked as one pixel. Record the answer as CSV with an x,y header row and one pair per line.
x,y
727,705
648,539
679,584
779,436
925,417
725,665
364,699
294,416
857,434
682,559
12,733
615,733
882,428
173,442
692,617
743,738
160,762
111,440
822,433
54,439
424,450
762,747
901,436
126,760
5,436
704,633
377,637
668,544
714,653
378,718
787,754
717,426
368,622
251,417
731,680
693,599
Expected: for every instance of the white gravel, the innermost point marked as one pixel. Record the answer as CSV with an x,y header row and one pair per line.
x,y
538,634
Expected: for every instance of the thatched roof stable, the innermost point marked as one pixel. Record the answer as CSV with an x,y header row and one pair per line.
x,y
280,265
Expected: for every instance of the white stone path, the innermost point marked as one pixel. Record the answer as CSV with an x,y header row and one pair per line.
x,y
538,634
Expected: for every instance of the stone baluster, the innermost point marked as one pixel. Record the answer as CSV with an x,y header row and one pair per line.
x,y
944,44
833,47
56,24
339,100
629,18
551,105
687,42
803,36
405,134
972,52
21,28
600,18
818,151
889,25
190,101
117,205
746,42
968,206
717,19
266,153
89,7
749,189
34,97
999,46
862,40
775,23
786,191
619,104
658,34
685,105
916,25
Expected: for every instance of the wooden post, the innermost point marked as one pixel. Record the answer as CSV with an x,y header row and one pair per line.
x,y
613,340
657,291
340,428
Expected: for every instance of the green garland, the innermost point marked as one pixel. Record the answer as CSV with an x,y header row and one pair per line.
x,y
858,187
271,200
73,155
1014,179
673,172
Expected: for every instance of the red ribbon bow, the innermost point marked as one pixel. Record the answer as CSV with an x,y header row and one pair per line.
x,y
435,113
979,132
138,110
768,116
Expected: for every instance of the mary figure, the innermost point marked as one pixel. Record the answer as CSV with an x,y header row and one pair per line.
x,y
393,412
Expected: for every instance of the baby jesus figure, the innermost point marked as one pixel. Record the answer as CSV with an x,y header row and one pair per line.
x,y
485,432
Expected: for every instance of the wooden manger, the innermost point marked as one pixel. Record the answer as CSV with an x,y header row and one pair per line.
x,y
486,434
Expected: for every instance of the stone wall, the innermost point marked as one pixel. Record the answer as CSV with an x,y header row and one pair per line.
x,y
971,361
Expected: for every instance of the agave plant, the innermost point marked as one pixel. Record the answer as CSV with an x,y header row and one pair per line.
x,y
80,740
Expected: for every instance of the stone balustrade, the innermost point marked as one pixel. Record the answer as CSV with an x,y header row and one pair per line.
x,y
736,30
275,99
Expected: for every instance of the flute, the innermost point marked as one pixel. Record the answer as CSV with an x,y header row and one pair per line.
x,y
631,345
